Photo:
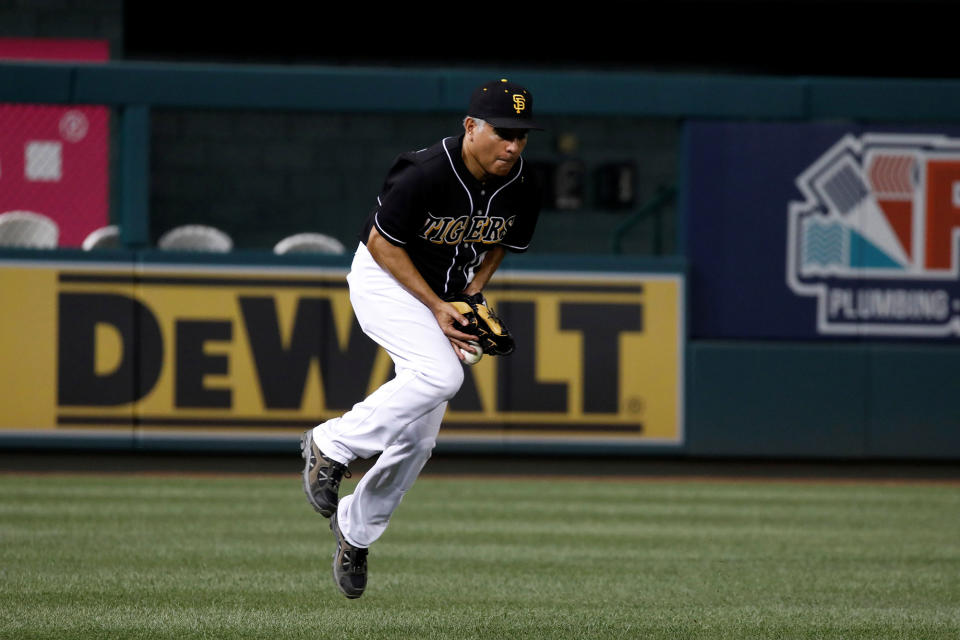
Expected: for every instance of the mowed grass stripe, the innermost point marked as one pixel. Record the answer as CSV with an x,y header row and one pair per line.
x,y
208,557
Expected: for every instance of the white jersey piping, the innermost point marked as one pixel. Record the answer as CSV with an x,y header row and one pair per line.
x,y
456,251
485,214
376,221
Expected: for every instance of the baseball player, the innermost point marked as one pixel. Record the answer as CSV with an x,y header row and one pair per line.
x,y
441,225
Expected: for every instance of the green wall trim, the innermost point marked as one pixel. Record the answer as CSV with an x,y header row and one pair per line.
x,y
823,400
134,176
251,258
362,89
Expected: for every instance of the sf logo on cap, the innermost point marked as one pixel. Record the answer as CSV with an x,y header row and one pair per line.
x,y
519,103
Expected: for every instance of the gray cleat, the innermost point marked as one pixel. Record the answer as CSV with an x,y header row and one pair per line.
x,y
349,564
321,476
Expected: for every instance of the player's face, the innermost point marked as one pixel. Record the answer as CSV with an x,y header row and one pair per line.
x,y
496,150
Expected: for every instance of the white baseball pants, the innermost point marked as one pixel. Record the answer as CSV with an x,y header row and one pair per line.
x,y
401,419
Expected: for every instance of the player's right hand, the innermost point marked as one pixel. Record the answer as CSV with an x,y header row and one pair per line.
x,y
450,320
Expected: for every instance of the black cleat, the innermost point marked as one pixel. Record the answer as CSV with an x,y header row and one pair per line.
x,y
349,564
321,476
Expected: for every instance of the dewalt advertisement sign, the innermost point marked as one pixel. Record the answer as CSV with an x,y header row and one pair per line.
x,y
260,350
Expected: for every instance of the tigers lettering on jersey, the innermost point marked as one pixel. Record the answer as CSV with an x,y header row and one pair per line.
x,y
454,230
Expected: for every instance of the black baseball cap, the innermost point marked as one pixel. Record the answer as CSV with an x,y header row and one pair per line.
x,y
503,104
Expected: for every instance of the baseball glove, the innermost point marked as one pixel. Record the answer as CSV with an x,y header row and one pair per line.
x,y
492,334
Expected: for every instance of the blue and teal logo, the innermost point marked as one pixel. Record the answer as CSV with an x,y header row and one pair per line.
x,y
875,239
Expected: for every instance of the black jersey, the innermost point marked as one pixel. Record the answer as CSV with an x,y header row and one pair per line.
x,y
446,219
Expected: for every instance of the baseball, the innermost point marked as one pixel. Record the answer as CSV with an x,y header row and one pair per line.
x,y
472,358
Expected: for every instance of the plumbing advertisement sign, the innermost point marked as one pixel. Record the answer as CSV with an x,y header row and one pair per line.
x,y
815,230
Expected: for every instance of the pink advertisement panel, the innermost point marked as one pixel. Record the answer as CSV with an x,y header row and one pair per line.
x,y
54,160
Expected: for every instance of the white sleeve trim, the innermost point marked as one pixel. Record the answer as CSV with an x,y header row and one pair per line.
x,y
376,222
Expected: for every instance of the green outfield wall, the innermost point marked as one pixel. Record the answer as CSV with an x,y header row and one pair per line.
x,y
860,401
183,353
149,351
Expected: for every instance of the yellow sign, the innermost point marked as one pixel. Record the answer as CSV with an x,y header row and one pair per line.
x,y
599,357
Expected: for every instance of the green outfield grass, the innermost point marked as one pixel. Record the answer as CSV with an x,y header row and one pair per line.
x,y
132,556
